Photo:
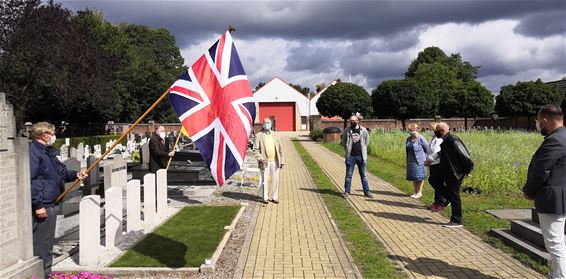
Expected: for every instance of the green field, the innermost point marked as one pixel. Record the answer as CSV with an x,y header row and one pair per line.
x,y
501,161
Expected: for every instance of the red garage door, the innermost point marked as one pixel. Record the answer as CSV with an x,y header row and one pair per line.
x,y
284,114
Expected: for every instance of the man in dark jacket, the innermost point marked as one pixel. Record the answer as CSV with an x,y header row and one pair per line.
x,y
546,185
48,177
158,153
455,164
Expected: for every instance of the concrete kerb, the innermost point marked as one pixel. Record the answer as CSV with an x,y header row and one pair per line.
x,y
209,268
396,259
239,272
161,272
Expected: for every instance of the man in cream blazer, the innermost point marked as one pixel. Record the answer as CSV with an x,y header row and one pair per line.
x,y
269,155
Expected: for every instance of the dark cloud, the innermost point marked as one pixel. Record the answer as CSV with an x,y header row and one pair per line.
x,y
544,24
190,21
310,58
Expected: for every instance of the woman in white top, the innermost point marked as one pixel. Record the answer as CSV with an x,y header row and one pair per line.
x,y
435,174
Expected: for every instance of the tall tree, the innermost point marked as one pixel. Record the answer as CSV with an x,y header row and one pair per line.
x,y
259,85
344,99
526,98
401,99
304,90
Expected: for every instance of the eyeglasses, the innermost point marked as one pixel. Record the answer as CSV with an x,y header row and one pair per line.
x,y
50,133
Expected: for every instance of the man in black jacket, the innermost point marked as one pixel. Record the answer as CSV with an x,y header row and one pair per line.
x,y
158,153
546,185
455,163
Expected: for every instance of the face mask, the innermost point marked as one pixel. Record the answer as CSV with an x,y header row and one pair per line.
x,y
354,124
267,126
431,133
413,134
162,135
437,134
52,140
540,129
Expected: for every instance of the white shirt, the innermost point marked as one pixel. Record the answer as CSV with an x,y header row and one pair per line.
x,y
433,149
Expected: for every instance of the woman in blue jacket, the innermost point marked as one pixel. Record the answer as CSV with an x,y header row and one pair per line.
x,y
48,177
417,148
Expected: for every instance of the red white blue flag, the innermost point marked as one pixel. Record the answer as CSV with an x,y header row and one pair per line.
x,y
215,104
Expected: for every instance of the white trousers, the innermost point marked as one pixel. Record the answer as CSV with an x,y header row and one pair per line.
x,y
272,169
552,226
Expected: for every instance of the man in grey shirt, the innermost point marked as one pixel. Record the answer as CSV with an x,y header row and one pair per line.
x,y
355,139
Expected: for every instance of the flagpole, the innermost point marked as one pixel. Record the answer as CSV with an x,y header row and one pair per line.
x,y
114,144
176,142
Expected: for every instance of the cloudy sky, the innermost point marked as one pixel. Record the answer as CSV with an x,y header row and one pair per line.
x,y
312,42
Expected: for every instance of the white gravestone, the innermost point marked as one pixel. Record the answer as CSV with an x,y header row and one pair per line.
x,y
161,179
64,152
89,231
115,173
145,154
133,206
73,153
16,244
113,213
149,213
67,141
87,151
97,151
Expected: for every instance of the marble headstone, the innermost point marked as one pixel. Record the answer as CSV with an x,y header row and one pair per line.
x,y
71,200
64,152
97,151
15,202
115,173
145,154
73,153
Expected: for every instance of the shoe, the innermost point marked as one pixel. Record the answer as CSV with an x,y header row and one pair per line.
x,y
368,194
275,201
265,202
438,208
416,195
452,225
433,207
345,195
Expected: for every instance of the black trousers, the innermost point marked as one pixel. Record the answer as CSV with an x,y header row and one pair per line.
x,y
437,182
44,238
452,194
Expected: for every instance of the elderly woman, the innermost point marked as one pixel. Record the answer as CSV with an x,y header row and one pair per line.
x,y
48,177
416,149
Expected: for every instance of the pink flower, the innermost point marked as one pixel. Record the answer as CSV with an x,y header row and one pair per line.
x,y
84,274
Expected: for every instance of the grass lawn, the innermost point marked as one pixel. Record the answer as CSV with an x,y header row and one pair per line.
x,y
369,254
502,156
184,241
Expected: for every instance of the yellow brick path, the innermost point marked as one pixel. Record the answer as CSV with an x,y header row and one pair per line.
x,y
413,234
296,238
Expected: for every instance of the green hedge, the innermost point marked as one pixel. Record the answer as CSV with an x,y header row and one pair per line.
x,y
90,141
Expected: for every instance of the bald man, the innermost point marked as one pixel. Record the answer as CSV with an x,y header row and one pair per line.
x,y
455,164
269,155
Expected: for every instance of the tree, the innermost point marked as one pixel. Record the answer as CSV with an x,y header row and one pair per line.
x,y
259,85
344,99
320,86
304,90
526,98
401,99
429,55
464,70
469,99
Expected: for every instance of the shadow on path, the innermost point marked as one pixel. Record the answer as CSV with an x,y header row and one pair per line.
x,y
435,267
242,196
399,204
403,217
322,191
388,193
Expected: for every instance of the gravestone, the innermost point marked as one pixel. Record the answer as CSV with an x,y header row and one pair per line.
x,y
92,181
80,151
64,152
113,214
89,232
73,153
16,245
161,182
145,154
149,210
87,151
70,203
133,206
115,173
97,151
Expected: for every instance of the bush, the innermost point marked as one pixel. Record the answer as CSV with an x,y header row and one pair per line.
x,y
316,134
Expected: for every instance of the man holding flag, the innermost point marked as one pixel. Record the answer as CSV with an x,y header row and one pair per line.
x,y
215,104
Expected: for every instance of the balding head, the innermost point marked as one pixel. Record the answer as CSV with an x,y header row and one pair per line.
x,y
442,129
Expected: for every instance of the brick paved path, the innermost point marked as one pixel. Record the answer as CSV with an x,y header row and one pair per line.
x,y
413,234
296,238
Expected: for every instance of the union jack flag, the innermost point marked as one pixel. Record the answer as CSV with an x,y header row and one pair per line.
x,y
215,104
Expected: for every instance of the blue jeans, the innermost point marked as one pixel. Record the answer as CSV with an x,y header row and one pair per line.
x,y
351,162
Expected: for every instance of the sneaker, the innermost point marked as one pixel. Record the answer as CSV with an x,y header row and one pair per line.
x,y
416,195
345,195
275,201
452,225
438,208
368,194
433,207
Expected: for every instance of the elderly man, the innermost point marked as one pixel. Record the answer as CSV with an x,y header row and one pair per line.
x,y
355,140
158,152
455,164
48,177
546,185
269,155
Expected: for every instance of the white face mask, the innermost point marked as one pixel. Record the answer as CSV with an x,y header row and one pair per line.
x,y
52,140
162,135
